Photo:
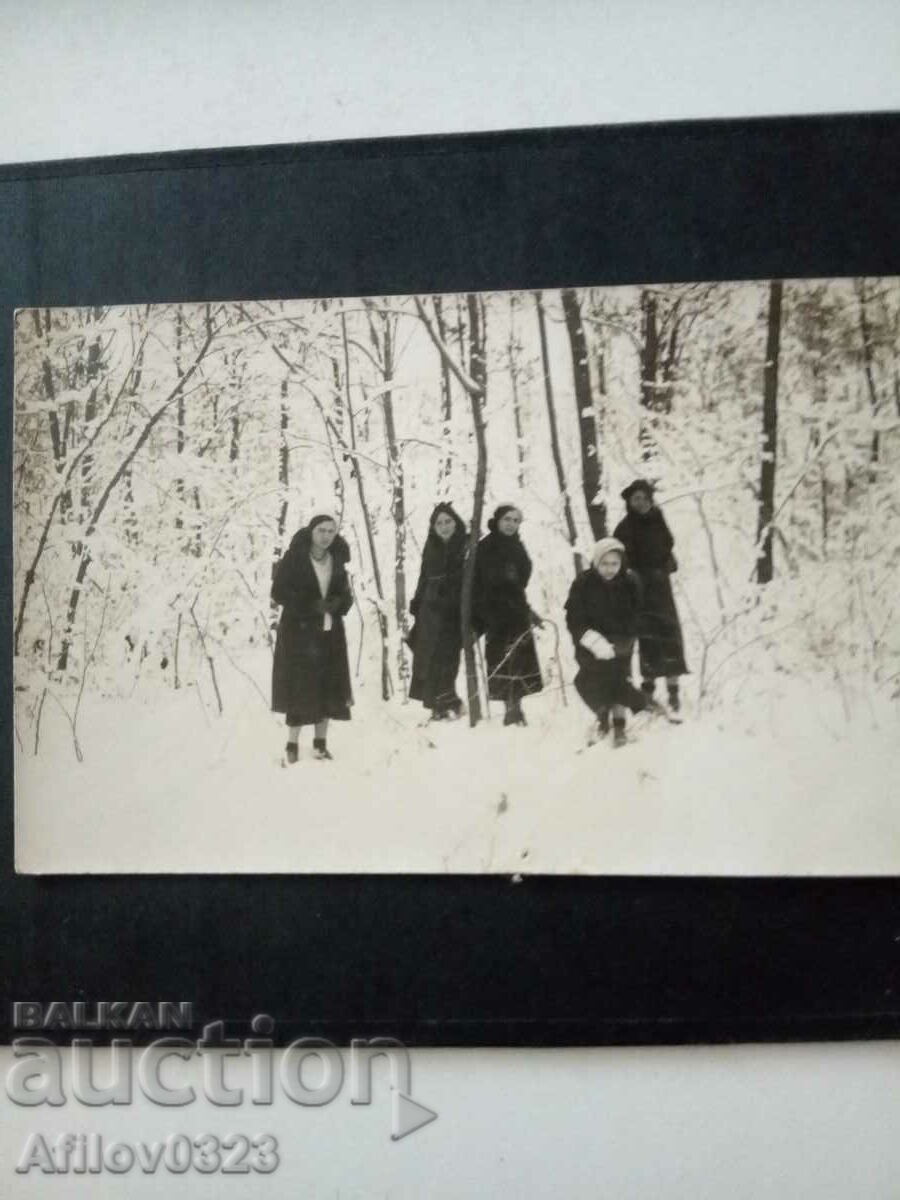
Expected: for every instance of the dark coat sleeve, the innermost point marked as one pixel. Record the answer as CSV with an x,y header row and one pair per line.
x,y
339,600
281,588
623,532
669,541
636,589
576,616
296,589
288,582
665,532
416,602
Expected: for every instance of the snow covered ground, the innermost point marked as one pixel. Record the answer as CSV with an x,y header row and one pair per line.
x,y
785,784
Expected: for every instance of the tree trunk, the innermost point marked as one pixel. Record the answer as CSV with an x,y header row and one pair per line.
x,y
649,371
513,352
474,383
284,464
398,500
90,414
179,419
284,457
443,488
367,520
866,336
56,436
478,374
554,435
338,396
764,564
591,472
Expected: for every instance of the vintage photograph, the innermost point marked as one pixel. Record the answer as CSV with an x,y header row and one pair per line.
x,y
586,580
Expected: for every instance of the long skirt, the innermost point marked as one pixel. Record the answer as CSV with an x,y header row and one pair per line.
x,y
604,683
660,643
311,677
512,665
436,643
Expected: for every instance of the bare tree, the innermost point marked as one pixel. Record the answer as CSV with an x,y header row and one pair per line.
x,y
513,351
367,517
446,405
474,383
764,564
153,420
382,333
591,472
865,330
554,435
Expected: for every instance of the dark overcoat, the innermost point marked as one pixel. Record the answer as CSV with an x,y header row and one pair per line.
x,y
501,610
311,672
649,549
436,637
611,607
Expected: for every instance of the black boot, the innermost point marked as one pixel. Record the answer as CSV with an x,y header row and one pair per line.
x,y
320,750
648,687
290,752
674,698
619,738
603,722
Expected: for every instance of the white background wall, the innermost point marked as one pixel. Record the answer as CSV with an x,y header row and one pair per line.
x,y
115,76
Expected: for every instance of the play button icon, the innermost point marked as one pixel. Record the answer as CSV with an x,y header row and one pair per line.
x,y
408,1115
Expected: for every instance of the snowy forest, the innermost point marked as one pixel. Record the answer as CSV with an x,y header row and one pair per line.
x,y
165,454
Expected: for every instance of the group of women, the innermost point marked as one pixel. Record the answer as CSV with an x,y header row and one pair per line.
x,y
624,597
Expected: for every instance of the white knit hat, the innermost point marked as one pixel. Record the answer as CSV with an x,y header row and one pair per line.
x,y
607,545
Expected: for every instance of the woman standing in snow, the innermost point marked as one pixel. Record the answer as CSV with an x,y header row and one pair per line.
x,y
311,673
602,614
436,637
501,610
648,546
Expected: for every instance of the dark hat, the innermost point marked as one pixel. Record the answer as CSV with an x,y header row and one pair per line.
x,y
638,485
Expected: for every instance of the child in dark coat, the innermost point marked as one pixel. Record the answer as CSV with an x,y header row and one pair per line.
x,y
602,614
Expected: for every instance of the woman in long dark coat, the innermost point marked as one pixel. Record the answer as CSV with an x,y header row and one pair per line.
x,y
649,547
436,637
501,610
311,672
602,614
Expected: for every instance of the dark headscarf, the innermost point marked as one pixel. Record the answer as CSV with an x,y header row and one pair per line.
x,y
436,550
446,507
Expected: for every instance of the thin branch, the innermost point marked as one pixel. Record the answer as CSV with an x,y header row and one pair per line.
x,y
207,655
466,380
